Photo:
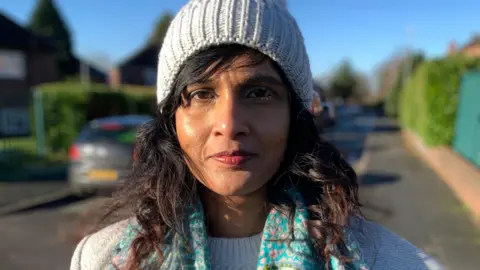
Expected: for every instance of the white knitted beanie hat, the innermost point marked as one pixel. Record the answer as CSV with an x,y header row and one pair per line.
x,y
264,25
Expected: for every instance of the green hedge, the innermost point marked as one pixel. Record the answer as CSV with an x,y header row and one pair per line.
x,y
68,109
64,114
429,99
392,101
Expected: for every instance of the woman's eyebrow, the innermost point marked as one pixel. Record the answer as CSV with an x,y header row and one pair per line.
x,y
263,79
252,80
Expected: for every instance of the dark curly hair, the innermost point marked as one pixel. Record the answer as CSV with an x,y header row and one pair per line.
x,y
161,185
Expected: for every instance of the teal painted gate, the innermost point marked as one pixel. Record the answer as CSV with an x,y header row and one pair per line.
x,y
467,126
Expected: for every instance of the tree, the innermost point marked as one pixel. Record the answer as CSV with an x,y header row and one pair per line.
x,y
343,81
407,68
160,29
388,71
362,89
47,21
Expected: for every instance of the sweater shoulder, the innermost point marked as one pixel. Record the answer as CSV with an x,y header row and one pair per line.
x,y
94,252
383,249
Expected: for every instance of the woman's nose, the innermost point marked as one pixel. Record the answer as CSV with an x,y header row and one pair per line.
x,y
231,119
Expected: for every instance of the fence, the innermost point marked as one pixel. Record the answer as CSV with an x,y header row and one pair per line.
x,y
23,136
467,127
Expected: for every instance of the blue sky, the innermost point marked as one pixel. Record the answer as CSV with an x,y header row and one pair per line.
x,y
366,32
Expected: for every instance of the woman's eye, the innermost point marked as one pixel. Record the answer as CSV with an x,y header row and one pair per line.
x,y
201,95
260,93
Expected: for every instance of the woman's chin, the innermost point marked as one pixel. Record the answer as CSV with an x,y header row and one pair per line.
x,y
234,184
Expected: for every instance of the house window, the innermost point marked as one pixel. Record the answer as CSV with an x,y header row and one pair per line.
x,y
12,65
150,76
14,122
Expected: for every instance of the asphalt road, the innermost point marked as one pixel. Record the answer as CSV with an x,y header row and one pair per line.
x,y
44,237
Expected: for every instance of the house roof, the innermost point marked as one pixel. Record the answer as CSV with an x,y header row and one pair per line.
x,y
16,36
145,56
474,41
94,72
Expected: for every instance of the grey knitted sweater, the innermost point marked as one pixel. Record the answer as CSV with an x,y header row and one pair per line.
x,y
383,249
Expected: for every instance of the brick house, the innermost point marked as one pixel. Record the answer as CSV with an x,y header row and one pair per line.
x,y
138,69
26,60
472,48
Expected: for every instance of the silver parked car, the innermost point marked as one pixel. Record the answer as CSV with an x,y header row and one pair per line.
x,y
102,154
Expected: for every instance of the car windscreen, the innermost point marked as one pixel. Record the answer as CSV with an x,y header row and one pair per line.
x,y
124,134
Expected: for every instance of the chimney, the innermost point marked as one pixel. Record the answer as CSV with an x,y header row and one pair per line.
x,y
114,78
452,48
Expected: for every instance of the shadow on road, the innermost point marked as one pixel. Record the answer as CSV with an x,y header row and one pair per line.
x,y
371,179
386,128
85,212
374,148
375,212
386,125
71,199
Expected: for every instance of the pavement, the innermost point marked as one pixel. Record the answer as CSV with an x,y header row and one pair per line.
x,y
403,194
26,186
37,240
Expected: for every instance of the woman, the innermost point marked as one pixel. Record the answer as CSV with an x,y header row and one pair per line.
x,y
231,173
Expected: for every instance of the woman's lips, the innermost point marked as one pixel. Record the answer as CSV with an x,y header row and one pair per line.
x,y
235,158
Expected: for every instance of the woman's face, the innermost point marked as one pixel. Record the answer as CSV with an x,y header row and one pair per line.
x,y
234,127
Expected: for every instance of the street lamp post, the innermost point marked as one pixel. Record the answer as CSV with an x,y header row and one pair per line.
x,y
408,62
84,74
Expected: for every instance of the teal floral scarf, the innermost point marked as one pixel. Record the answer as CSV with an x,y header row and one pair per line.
x,y
189,249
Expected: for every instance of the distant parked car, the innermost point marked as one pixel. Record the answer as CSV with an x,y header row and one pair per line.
x,y
328,115
102,154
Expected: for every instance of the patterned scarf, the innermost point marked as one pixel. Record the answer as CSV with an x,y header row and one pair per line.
x,y
189,249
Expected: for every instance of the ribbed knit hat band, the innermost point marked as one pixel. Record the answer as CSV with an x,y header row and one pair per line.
x,y
264,25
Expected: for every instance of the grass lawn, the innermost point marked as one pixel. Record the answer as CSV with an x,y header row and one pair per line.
x,y
27,144
19,160
26,147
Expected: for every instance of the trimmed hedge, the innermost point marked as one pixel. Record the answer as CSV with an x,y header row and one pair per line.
x,y
64,115
428,102
68,109
392,101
